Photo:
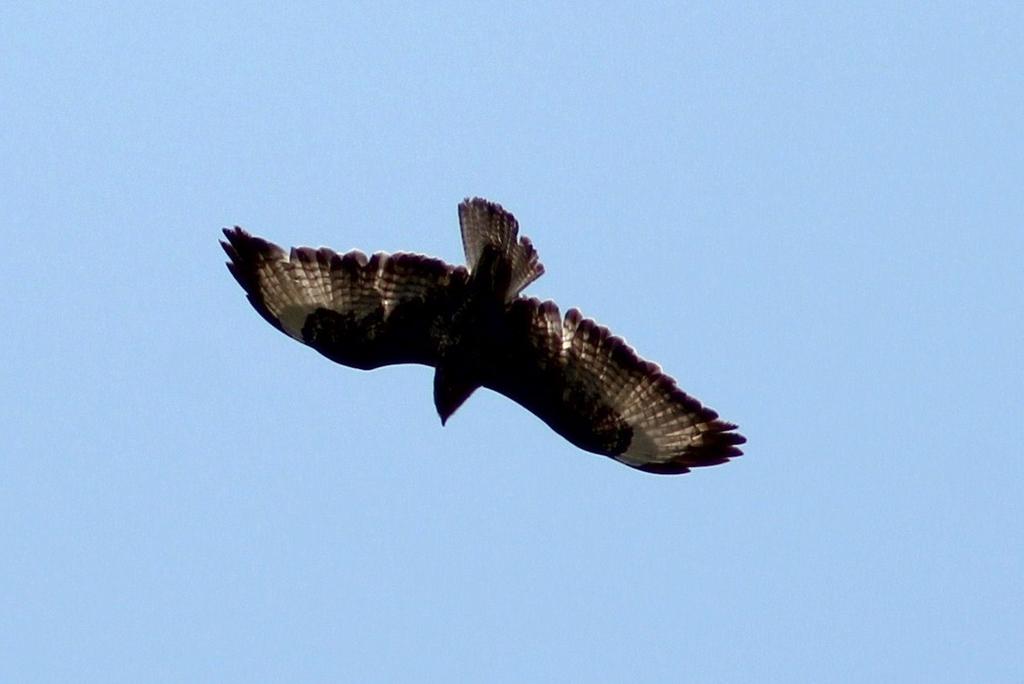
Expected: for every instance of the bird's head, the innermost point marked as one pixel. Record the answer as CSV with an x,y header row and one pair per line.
x,y
452,386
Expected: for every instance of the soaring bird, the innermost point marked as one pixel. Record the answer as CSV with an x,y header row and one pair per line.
x,y
473,326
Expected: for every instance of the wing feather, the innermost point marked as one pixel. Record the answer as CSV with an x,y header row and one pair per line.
x,y
593,389
359,311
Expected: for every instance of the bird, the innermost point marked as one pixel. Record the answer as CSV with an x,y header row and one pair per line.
x,y
474,326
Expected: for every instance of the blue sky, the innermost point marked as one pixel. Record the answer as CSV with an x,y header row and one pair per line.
x,y
810,215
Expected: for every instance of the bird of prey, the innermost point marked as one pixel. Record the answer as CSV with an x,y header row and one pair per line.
x,y
472,325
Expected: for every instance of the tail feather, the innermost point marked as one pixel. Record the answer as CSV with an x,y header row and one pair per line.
x,y
486,223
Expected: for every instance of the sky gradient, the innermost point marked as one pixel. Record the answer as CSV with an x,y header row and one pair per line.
x,y
810,216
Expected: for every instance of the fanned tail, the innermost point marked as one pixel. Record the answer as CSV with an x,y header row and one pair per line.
x,y
485,223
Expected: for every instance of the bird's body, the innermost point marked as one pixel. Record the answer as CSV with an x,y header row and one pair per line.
x,y
474,328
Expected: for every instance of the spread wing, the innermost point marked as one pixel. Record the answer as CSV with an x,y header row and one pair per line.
x,y
357,311
593,389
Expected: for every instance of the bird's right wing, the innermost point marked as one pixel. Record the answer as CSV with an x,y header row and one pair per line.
x,y
357,311
593,389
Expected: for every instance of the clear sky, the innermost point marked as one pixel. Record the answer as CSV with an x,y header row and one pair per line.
x,y
810,215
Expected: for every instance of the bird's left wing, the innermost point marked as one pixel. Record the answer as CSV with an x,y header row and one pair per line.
x,y
593,389
359,311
